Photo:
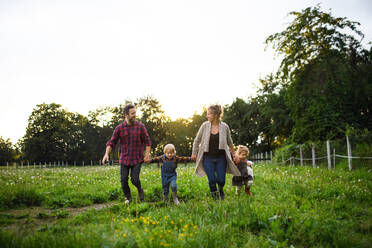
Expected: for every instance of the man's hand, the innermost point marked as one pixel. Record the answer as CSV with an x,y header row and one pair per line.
x,y
147,160
107,153
105,159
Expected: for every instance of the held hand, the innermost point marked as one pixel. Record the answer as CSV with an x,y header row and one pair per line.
x,y
147,160
193,157
236,159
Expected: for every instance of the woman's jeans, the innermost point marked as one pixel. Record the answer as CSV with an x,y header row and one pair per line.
x,y
215,168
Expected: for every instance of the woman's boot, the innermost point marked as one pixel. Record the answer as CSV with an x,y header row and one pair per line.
x,y
175,199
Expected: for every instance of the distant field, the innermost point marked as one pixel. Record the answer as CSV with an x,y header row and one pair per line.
x,y
83,207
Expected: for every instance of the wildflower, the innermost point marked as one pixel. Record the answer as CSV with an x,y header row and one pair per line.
x,y
124,235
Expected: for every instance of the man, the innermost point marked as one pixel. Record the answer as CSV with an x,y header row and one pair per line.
x,y
133,137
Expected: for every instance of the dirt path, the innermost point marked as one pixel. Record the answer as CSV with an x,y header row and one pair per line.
x,y
37,216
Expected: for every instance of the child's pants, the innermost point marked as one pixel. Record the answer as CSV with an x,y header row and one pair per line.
x,y
169,180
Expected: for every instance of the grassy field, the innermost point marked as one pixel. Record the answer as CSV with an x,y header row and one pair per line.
x,y
83,207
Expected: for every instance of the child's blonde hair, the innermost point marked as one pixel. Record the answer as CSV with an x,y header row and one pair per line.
x,y
242,148
169,147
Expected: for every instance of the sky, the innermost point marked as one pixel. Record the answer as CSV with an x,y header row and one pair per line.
x,y
86,54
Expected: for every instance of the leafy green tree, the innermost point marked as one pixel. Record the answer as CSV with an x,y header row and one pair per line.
x,y
313,33
7,151
154,118
46,134
244,120
178,133
326,74
276,125
54,134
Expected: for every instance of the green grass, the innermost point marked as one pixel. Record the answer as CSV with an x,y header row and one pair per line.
x,y
291,207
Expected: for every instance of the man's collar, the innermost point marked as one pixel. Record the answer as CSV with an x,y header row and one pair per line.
x,y
127,124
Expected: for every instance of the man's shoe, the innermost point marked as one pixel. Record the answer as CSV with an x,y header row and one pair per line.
x,y
141,194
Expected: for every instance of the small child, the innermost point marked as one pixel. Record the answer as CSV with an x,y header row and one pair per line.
x,y
246,171
168,170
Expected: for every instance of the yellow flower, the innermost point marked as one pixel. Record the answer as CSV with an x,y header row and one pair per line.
x,y
186,226
172,222
124,235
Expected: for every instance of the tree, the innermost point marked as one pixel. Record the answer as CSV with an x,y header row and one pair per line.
x,y
276,125
154,118
324,71
311,34
243,119
7,151
54,134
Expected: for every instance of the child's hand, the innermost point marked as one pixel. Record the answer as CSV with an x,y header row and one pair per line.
x,y
236,159
147,160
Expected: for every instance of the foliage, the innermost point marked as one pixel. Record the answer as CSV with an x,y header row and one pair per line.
x,y
7,151
312,34
54,134
325,75
154,119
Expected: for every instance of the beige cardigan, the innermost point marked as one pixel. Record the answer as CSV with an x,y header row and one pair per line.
x,y
201,145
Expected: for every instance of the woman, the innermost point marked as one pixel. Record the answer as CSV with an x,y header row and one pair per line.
x,y
212,151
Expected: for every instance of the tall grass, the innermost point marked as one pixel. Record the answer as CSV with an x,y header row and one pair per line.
x,y
291,207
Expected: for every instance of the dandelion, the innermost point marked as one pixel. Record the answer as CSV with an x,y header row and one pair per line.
x,y
124,235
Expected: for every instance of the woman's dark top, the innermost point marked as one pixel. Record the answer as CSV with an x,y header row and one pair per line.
x,y
214,141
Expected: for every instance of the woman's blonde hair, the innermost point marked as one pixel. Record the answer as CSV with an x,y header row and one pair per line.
x,y
169,147
242,148
216,110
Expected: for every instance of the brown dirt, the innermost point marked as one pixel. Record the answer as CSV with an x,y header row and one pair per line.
x,y
30,217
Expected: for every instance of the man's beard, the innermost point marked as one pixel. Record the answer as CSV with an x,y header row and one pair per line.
x,y
131,120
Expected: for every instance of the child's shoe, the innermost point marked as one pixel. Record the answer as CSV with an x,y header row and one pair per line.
x,y
165,198
248,191
175,199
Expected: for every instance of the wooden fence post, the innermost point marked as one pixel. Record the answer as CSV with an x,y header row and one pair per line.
x,y
301,161
271,156
349,153
329,155
334,157
313,154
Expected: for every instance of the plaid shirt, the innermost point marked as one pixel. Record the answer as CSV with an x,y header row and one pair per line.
x,y
132,140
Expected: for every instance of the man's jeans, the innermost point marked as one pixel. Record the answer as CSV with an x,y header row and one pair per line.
x,y
134,175
215,168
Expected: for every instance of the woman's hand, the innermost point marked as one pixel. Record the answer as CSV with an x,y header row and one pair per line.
x,y
193,157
